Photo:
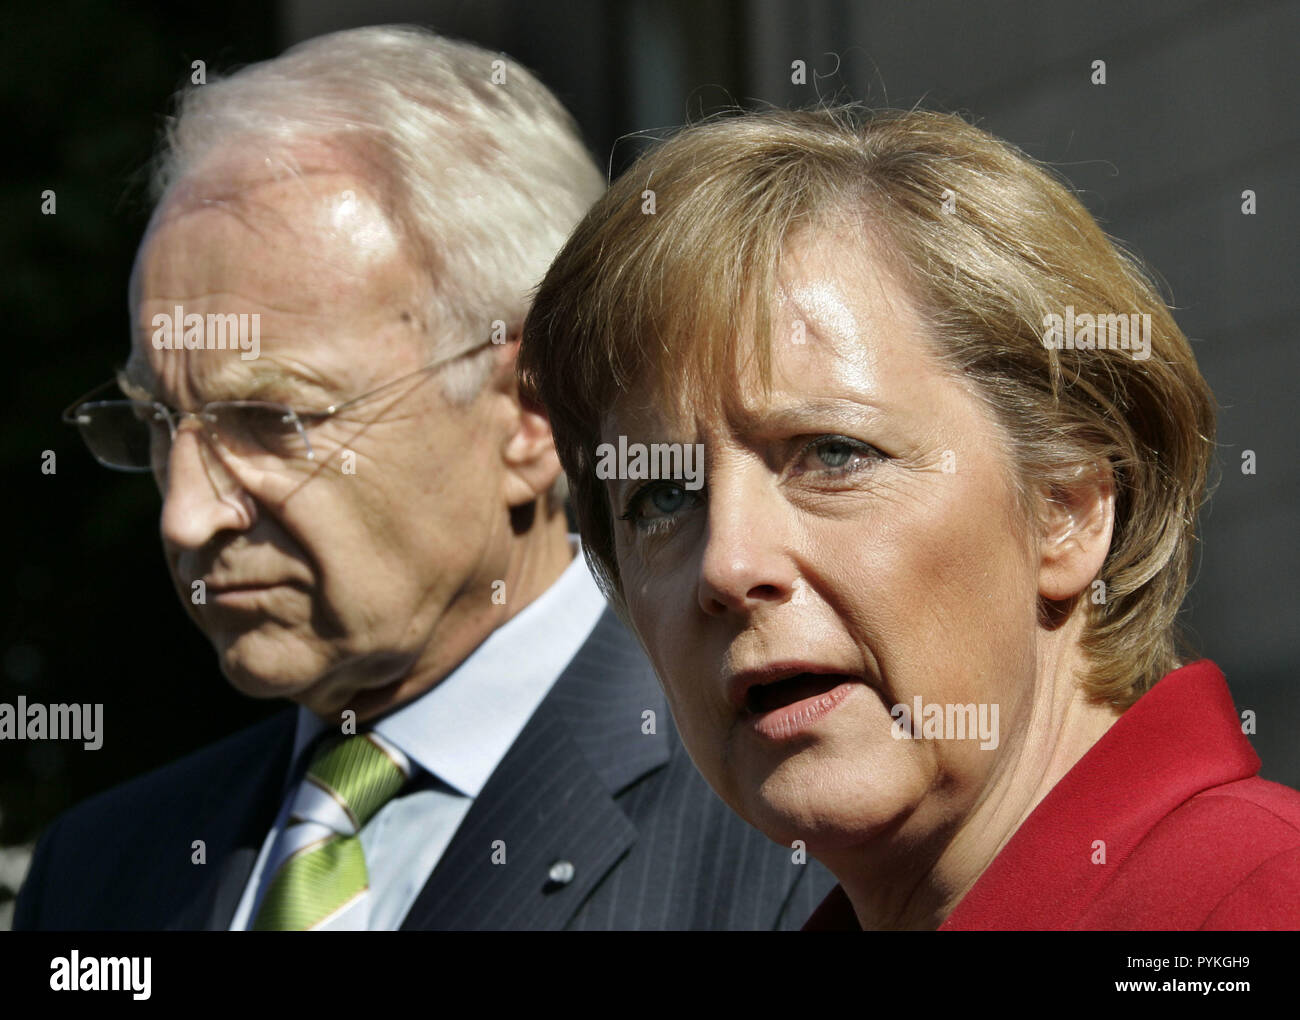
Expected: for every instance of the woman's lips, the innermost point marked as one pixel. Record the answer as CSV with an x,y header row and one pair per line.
x,y
780,716
780,704
763,698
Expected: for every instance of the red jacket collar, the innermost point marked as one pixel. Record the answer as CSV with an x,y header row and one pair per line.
x,y
1181,737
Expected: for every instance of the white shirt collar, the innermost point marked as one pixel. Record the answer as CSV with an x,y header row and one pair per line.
x,y
463,726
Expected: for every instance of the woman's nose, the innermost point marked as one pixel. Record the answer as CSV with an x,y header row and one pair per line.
x,y
746,558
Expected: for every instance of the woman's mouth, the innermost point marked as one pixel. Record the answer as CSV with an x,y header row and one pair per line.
x,y
789,706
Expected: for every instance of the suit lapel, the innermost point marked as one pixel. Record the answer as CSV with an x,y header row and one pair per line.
x,y
238,810
547,828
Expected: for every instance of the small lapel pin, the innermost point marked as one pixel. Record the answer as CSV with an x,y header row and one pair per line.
x,y
560,873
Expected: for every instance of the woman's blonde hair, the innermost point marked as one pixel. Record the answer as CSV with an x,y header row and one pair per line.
x,y
990,244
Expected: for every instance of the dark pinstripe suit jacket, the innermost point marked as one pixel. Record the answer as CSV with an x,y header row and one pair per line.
x,y
650,844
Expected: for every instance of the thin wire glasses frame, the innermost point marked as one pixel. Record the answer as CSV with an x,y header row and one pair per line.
x,y
219,418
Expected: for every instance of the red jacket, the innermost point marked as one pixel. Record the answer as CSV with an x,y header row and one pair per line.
x,y
1193,838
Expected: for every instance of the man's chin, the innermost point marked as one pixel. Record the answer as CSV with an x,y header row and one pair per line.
x,y
317,691
269,674
316,676
259,685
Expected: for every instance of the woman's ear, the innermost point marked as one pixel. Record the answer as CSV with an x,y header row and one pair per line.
x,y
1077,525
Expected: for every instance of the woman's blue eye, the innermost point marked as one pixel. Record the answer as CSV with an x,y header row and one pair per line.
x,y
656,505
837,455
667,500
654,502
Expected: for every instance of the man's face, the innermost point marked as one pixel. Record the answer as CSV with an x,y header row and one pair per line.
x,y
350,580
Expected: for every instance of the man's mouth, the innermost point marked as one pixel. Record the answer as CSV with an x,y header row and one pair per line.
x,y
246,595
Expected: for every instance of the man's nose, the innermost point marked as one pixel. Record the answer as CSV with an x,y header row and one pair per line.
x,y
201,497
745,561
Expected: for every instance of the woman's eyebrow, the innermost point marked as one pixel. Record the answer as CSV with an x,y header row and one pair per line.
x,y
813,413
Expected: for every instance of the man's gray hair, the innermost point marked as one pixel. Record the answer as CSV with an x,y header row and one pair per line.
x,y
480,168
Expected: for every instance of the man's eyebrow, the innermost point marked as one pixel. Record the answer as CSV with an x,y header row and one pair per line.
x,y
263,382
267,383
132,378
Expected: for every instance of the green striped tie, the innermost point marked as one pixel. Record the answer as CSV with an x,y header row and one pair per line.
x,y
324,870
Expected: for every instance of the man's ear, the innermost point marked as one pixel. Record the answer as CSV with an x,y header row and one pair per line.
x,y
1078,522
528,451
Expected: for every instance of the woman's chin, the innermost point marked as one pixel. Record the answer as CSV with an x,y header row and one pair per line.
x,y
828,812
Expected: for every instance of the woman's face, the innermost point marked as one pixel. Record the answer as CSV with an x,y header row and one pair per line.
x,y
859,527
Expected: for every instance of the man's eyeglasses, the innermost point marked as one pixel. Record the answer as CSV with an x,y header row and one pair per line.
x,y
136,435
